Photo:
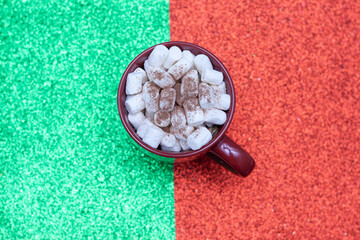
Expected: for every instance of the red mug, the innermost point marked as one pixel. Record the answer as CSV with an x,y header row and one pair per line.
x,y
221,148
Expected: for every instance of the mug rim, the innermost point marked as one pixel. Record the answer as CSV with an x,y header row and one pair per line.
x,y
131,131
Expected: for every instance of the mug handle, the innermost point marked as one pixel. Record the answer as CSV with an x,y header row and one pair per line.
x,y
231,156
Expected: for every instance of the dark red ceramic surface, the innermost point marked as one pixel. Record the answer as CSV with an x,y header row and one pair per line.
x,y
233,156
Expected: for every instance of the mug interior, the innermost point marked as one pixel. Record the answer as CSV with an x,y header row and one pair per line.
x,y
139,62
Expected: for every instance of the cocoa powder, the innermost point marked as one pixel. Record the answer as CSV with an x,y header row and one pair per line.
x,y
191,105
167,99
204,92
190,84
177,71
178,118
162,118
158,75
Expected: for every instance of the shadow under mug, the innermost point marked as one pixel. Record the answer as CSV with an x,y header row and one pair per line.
x,y
221,148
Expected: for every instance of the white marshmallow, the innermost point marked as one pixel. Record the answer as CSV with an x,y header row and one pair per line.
x,y
194,113
167,99
148,68
202,62
182,133
215,116
149,115
186,54
180,68
136,119
219,89
161,78
183,145
200,125
190,84
162,118
199,138
168,140
174,56
179,98
222,101
206,96
158,55
144,127
212,76
178,119
133,83
151,96
135,103
144,77
175,148
153,136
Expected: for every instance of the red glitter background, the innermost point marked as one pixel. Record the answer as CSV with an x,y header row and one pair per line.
x,y
295,66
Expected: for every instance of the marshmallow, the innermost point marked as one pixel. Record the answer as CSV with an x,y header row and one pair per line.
x,y
153,136
190,84
162,118
168,140
206,96
149,115
199,138
179,98
184,146
158,55
200,125
199,109
133,83
167,99
212,76
186,54
144,77
161,78
202,62
136,119
175,148
148,68
182,133
151,96
178,119
174,56
219,89
194,113
222,101
180,68
144,127
215,116
135,103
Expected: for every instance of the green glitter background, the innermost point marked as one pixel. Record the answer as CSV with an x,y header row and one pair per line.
x,y
68,169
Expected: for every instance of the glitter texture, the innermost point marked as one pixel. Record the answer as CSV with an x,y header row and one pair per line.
x,y
68,169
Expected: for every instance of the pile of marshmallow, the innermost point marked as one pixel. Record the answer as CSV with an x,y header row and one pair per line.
x,y
176,99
